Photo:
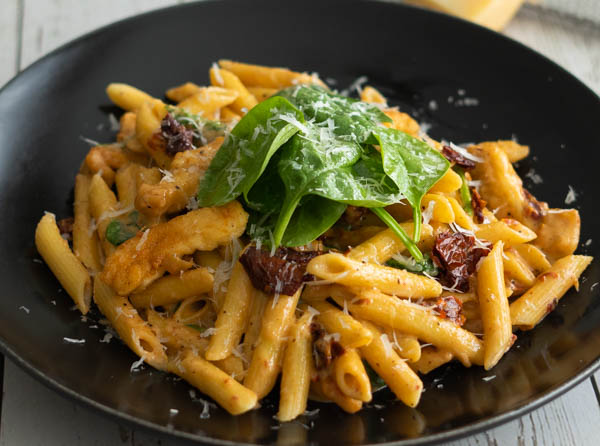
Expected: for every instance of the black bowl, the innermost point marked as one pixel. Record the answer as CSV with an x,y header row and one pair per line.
x,y
468,83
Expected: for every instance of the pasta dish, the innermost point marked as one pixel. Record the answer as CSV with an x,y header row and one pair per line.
x,y
267,227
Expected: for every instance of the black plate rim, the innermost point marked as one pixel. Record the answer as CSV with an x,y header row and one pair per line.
x,y
452,434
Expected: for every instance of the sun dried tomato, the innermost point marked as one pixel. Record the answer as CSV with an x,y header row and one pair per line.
x,y
283,272
477,203
456,255
176,136
454,157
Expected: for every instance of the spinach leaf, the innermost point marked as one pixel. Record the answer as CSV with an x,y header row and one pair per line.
x,y
246,152
350,119
313,216
424,266
118,232
196,327
317,163
411,164
465,193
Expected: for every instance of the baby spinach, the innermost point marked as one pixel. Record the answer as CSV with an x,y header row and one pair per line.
x,y
300,157
350,119
465,193
426,265
246,151
319,164
412,165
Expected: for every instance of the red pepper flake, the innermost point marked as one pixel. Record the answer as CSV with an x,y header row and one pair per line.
x,y
454,157
456,255
449,307
477,203
282,272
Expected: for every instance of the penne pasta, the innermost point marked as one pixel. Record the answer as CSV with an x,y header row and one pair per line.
x,y
67,268
345,271
400,378
296,370
529,309
495,314
132,329
420,321
266,358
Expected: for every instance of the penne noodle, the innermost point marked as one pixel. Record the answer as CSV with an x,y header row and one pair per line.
x,y
431,358
65,266
233,316
132,329
174,288
345,271
296,370
260,76
266,358
351,377
529,309
383,245
400,378
352,333
495,313
419,321
85,239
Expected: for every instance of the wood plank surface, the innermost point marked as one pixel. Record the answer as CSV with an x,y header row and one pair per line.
x,y
9,38
49,24
572,43
34,415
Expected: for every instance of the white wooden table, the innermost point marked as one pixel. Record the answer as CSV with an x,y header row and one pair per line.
x,y
33,415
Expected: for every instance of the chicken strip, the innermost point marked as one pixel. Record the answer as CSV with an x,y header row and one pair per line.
x,y
147,256
180,183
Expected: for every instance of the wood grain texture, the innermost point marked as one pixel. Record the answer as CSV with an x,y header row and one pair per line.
x,y
9,32
569,420
34,415
47,25
571,43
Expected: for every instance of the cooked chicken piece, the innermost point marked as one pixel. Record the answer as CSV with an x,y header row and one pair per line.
x,y
502,188
148,255
179,184
558,234
106,158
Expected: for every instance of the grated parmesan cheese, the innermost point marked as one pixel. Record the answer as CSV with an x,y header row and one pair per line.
x,y
143,239
571,196
74,341
24,308
428,212
464,152
136,364
217,72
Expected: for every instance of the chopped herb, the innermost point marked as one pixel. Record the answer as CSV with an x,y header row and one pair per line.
x,y
118,232
424,266
196,327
